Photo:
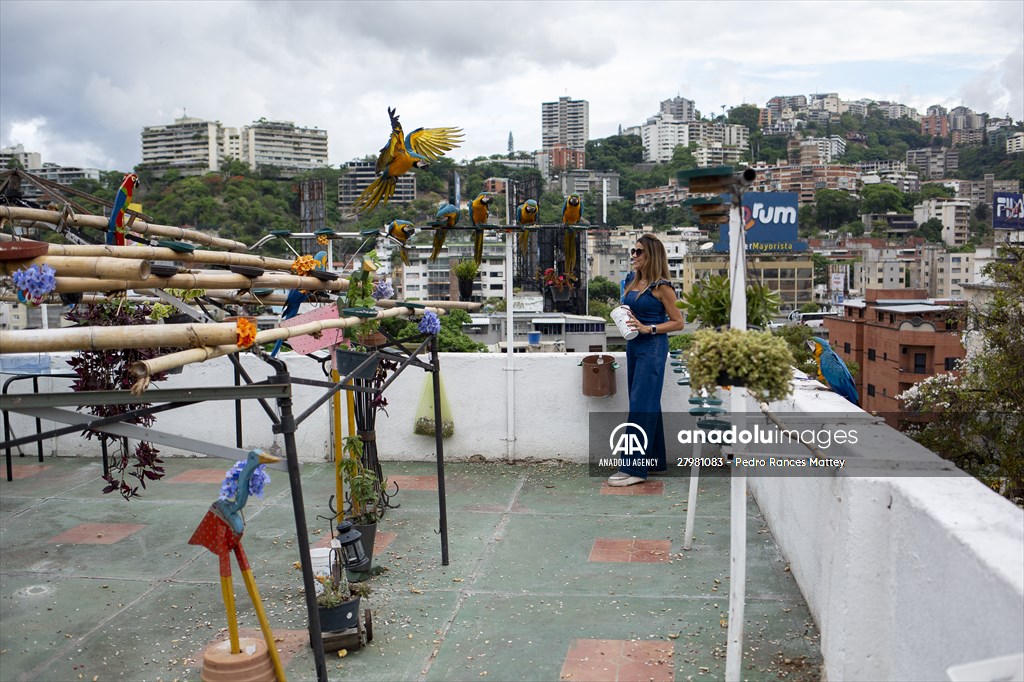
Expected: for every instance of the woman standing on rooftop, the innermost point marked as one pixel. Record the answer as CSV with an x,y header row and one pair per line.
x,y
652,303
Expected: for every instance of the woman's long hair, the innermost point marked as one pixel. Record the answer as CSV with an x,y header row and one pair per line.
x,y
656,266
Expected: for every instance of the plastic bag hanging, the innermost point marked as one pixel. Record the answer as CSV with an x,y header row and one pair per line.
x,y
424,425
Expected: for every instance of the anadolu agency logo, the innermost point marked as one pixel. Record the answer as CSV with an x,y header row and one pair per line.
x,y
628,443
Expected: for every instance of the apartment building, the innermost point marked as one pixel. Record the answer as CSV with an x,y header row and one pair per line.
x,y
894,224
283,145
62,175
1015,144
934,163
562,157
661,135
981,191
897,111
805,180
967,137
888,268
815,150
944,274
608,251
17,153
565,122
583,181
679,108
963,118
935,125
955,215
646,200
359,176
781,104
905,181
898,337
192,146
790,275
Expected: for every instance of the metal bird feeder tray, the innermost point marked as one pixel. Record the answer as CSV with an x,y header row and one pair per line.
x,y
179,247
599,376
326,232
284,234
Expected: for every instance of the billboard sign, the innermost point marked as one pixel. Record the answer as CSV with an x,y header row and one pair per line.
x,y
1008,211
770,221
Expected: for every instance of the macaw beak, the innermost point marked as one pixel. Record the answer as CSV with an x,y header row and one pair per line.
x,y
811,345
267,458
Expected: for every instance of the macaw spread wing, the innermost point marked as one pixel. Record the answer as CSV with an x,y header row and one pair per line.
x,y
392,150
433,142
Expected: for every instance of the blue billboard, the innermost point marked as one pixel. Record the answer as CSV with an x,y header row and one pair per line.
x,y
770,221
1007,211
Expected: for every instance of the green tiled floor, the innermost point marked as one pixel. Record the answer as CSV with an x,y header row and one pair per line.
x,y
520,587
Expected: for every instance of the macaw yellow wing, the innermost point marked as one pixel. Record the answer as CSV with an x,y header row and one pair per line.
x,y
433,142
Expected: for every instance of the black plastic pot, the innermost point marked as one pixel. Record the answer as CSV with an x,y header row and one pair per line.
x,y
726,380
465,289
340,617
349,360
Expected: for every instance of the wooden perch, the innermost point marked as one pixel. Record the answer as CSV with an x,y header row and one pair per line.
x,y
16,213
162,253
204,279
69,266
102,338
147,368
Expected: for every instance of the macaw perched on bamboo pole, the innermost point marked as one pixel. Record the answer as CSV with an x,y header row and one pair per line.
x,y
401,154
528,213
479,212
221,530
116,228
832,371
447,217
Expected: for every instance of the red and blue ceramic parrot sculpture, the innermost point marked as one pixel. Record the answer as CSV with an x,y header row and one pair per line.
x,y
401,154
115,228
832,371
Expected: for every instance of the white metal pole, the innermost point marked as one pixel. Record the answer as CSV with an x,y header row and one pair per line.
x,y
510,383
738,481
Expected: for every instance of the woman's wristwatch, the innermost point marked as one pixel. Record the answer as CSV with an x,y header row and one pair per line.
x,y
654,329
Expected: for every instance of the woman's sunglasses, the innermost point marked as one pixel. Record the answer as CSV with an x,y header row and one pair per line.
x,y
636,252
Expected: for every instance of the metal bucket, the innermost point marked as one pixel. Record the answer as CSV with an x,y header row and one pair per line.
x,y
599,376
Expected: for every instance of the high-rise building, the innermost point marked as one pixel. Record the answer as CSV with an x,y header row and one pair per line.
x,y
190,145
566,122
18,153
283,145
934,164
679,108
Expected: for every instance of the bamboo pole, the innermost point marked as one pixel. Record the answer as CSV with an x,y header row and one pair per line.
x,y
71,266
138,226
447,305
164,253
201,280
131,336
147,368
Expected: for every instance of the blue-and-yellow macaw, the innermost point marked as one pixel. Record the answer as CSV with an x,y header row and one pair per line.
x,y
402,154
400,231
447,217
296,297
479,211
528,213
832,371
115,228
572,211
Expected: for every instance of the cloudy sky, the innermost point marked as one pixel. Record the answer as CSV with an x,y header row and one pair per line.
x,y
79,80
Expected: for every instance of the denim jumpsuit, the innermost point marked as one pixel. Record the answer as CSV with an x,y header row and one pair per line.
x,y
646,356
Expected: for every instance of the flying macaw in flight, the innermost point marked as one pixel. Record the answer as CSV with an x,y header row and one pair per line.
x,y
528,213
296,297
400,231
402,154
832,371
447,217
479,212
115,228
572,211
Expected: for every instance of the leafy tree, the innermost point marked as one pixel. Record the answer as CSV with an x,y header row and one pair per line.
x,y
745,115
931,229
614,153
979,407
881,198
602,289
833,207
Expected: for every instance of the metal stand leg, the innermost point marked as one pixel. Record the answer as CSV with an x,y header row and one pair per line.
x,y
439,443
691,502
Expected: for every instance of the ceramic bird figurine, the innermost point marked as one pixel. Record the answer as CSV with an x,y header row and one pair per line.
x,y
447,217
402,154
479,212
115,228
221,531
832,371
528,213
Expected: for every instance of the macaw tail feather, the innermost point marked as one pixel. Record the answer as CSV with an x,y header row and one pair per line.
x,y
439,237
478,246
570,250
380,190
524,241
404,255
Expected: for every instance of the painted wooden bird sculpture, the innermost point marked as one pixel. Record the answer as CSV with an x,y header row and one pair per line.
x,y
403,153
221,530
528,213
116,228
479,212
447,217
832,371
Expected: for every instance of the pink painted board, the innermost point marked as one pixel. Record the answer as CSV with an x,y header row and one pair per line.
x,y
307,343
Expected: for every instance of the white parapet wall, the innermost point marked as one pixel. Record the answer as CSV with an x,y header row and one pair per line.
x,y
906,570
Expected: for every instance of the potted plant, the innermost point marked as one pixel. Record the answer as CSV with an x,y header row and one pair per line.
x,y
465,273
560,285
338,602
760,361
364,496
361,300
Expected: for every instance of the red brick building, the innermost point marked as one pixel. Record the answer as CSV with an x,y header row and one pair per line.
x,y
898,337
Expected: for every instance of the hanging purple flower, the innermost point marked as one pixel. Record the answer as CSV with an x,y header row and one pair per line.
x,y
383,289
259,479
35,283
430,324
